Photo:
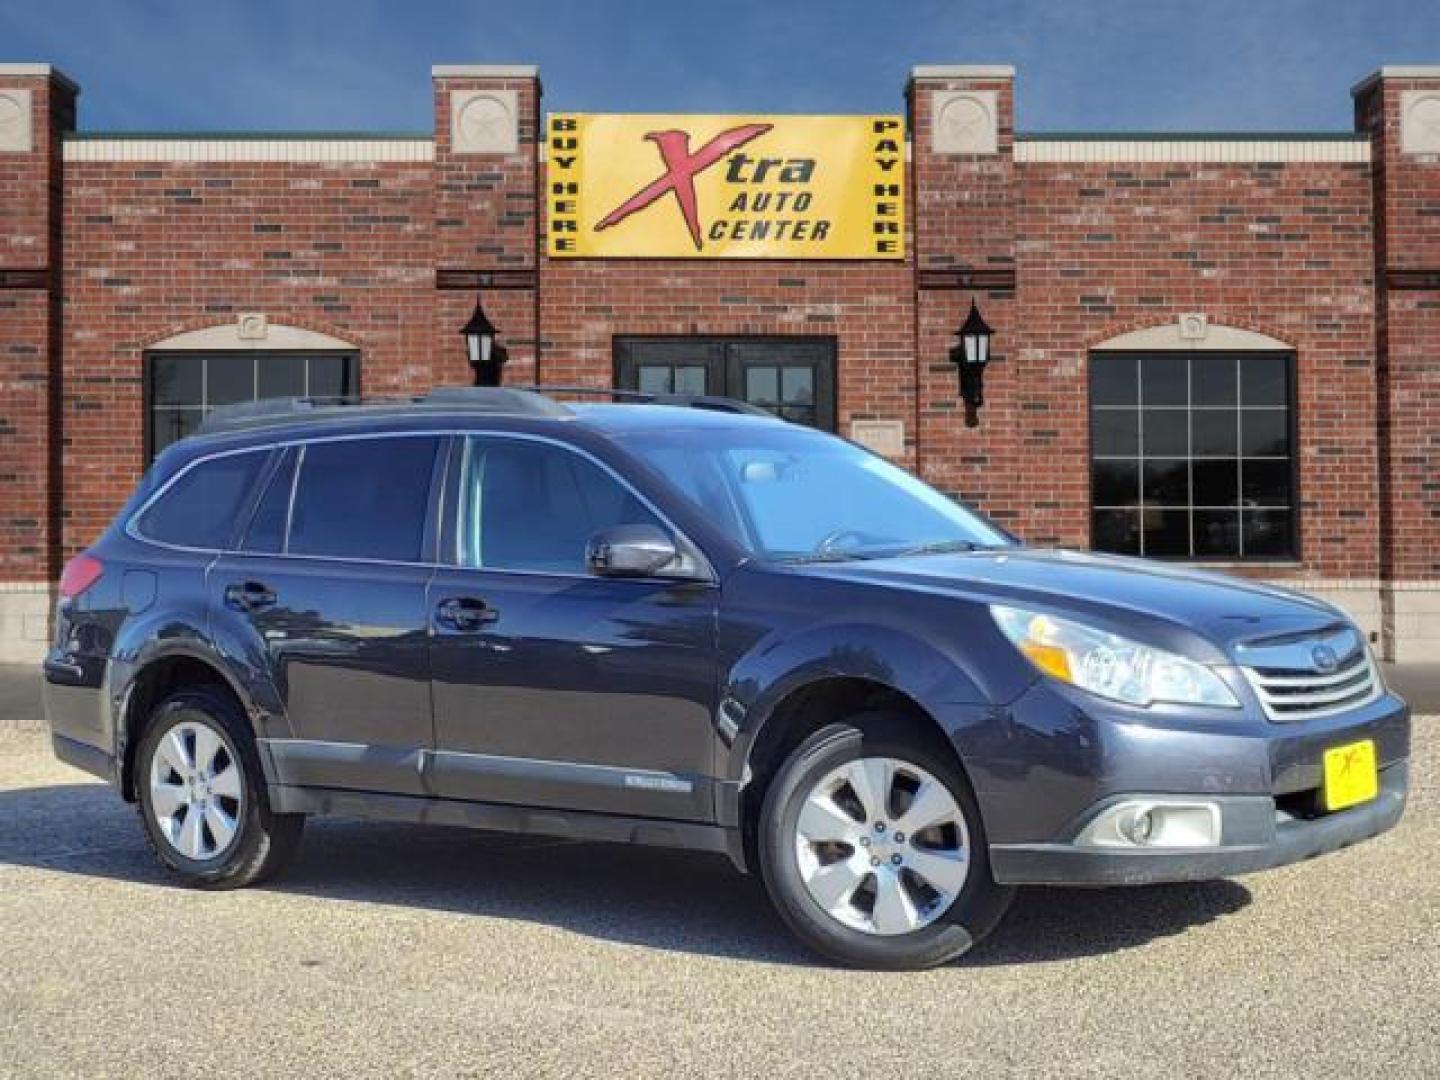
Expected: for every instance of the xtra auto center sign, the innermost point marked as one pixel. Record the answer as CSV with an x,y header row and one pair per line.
x,y
732,187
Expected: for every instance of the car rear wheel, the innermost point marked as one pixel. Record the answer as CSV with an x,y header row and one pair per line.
x,y
872,848
201,794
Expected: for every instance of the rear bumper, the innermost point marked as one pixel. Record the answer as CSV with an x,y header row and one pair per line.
x,y
1264,837
77,710
84,756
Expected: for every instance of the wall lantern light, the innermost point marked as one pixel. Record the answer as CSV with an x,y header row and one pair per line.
x,y
970,356
486,355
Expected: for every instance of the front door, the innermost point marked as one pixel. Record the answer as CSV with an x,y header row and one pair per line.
x,y
553,687
793,377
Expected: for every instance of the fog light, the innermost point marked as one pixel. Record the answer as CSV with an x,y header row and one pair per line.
x,y
1140,827
1157,822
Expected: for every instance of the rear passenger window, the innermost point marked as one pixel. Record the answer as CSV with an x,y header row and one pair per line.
x,y
363,498
199,509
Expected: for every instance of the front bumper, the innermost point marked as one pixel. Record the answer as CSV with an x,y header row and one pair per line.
x,y
1257,835
1057,759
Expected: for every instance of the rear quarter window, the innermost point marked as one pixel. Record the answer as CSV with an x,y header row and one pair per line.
x,y
200,508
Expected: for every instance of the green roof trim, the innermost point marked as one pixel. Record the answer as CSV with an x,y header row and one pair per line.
x,y
251,136
1191,136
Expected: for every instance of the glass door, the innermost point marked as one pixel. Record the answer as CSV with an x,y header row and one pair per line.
x,y
792,377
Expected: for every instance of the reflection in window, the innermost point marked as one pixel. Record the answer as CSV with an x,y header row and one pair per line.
x,y
1191,455
184,387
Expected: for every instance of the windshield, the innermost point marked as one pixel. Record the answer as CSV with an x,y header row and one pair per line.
x,y
789,493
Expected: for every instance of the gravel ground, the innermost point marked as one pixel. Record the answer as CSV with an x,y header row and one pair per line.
x,y
395,950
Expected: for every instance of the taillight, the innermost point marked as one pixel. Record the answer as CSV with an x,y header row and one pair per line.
x,y
80,573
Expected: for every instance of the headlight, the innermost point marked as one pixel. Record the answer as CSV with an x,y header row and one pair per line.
x,y
1109,665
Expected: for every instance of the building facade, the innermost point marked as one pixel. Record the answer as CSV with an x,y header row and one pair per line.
x,y
1218,349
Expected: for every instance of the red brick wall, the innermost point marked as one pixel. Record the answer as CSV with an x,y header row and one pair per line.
x,y
1407,206
1064,257
1101,249
157,248
30,197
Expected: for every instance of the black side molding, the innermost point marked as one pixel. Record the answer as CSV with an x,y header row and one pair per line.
x,y
498,817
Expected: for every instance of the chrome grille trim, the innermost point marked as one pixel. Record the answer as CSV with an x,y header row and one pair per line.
x,y
1289,693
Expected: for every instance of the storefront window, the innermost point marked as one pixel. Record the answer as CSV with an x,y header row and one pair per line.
x,y
181,388
1192,455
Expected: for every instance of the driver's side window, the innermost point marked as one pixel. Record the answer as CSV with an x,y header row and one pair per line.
x,y
534,506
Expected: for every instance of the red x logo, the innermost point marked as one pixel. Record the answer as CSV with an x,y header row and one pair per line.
x,y
681,168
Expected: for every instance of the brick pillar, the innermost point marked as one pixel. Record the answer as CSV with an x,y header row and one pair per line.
x,y
486,236
964,190
1400,108
37,105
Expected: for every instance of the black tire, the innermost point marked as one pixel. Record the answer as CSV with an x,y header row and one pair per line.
x,y
977,909
263,841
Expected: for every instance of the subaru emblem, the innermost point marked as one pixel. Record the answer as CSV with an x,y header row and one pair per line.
x,y
1324,659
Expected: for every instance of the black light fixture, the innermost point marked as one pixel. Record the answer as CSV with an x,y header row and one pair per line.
x,y
486,355
970,356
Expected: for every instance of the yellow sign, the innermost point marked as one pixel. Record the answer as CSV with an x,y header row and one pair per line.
x,y
727,187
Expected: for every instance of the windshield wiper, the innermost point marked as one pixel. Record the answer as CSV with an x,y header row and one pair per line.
x,y
940,547
824,557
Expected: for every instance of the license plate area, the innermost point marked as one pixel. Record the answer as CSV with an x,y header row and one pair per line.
x,y
1351,775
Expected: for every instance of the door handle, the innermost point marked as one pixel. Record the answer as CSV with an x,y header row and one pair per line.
x,y
249,596
464,613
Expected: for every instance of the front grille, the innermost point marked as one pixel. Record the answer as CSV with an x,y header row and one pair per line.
x,y
1289,690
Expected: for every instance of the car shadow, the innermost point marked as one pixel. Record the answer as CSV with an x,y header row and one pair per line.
x,y
669,900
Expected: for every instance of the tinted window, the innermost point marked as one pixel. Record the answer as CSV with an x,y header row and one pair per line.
x,y
266,533
1207,437
363,498
199,509
532,506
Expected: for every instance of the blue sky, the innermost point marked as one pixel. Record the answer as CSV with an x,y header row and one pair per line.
x,y
364,64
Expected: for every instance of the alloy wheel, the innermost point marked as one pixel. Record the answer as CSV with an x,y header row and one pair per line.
x,y
196,791
882,846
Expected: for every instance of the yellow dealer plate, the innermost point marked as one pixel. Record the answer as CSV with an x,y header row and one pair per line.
x,y
1351,776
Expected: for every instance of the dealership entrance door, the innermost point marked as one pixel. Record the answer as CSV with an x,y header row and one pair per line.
x,y
793,377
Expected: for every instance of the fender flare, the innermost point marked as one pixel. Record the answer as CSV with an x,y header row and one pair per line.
x,y
924,671
178,638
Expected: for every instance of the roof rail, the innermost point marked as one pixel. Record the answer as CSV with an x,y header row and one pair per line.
x,y
712,402
494,400
505,401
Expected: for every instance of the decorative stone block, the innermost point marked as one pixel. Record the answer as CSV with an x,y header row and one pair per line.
x,y
484,122
252,326
966,122
884,437
1420,122
1193,326
16,128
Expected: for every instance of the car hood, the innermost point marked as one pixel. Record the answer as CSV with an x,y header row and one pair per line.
x,y
1134,597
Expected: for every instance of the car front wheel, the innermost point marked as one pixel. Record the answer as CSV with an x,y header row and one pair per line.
x,y
872,847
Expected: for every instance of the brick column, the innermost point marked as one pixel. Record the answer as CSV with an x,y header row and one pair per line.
x,y
37,105
1400,108
964,191
487,221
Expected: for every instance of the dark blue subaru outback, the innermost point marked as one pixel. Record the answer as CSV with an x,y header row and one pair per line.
x,y
679,625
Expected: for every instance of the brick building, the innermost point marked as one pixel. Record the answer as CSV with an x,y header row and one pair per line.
x,y
1214,348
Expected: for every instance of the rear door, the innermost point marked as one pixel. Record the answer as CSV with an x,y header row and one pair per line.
x,y
554,687
331,581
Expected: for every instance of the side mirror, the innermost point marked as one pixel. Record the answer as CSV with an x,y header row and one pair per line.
x,y
630,551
